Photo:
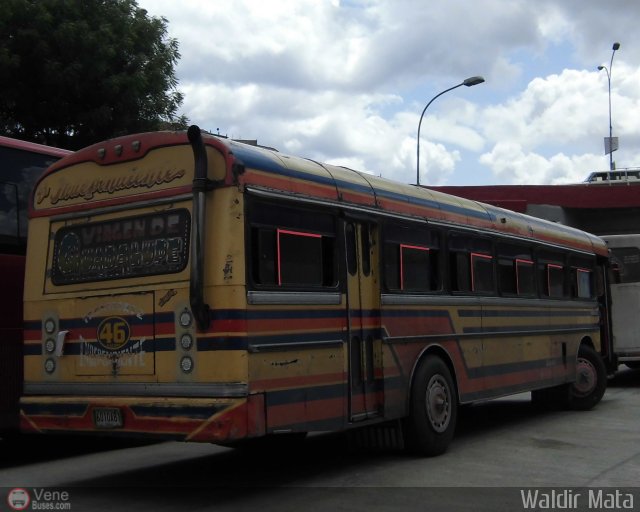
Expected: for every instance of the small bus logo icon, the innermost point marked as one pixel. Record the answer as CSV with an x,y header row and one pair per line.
x,y
18,499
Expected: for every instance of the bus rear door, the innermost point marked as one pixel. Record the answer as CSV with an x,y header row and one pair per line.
x,y
363,306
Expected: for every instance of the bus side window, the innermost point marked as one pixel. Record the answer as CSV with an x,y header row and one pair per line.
x,y
555,280
299,258
526,277
600,281
516,270
292,248
552,276
584,283
414,268
471,264
351,248
411,258
283,257
460,271
264,256
392,266
507,274
482,273
366,242
582,277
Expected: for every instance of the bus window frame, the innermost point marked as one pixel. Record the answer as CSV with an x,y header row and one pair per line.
x,y
256,224
532,263
398,234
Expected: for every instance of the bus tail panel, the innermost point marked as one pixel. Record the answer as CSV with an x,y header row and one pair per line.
x,y
185,419
112,336
116,336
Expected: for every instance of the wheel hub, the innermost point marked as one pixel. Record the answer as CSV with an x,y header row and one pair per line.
x,y
586,378
438,403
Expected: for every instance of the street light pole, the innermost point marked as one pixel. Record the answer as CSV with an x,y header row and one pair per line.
x,y
609,72
474,80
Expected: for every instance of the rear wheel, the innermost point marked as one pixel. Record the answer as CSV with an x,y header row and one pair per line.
x,y
591,380
431,423
585,392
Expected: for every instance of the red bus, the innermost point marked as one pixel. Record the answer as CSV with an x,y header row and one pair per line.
x,y
21,163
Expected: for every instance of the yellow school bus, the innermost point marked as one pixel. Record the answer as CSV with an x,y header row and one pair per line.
x,y
184,286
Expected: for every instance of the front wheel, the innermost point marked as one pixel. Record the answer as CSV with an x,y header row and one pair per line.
x,y
591,380
433,409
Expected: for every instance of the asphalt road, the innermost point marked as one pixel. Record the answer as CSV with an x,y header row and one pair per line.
x,y
502,449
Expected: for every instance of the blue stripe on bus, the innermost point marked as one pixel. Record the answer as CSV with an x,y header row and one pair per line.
x,y
165,344
508,368
34,325
305,394
80,323
209,343
294,314
32,350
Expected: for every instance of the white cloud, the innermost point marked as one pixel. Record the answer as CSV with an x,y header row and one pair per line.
x,y
345,81
511,164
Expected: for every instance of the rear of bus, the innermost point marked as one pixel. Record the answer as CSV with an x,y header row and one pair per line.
x,y
117,268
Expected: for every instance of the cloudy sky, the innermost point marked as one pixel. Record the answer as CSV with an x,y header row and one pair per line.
x,y
345,82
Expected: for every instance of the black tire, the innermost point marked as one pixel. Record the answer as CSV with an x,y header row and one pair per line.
x,y
433,409
591,380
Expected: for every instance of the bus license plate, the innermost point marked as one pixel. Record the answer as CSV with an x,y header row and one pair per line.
x,y
107,417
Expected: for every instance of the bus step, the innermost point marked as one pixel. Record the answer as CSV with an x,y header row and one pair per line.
x,y
383,437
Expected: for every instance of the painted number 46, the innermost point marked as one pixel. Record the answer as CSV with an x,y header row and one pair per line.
x,y
113,332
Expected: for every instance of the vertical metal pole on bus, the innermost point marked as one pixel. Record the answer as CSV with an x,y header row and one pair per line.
x,y
196,286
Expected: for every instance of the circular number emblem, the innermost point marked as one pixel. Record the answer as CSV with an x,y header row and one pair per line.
x,y
113,333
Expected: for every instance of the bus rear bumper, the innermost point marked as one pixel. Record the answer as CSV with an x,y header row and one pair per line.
x,y
215,420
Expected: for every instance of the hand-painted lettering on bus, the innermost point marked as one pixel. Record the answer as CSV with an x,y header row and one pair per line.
x,y
87,191
93,356
121,248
